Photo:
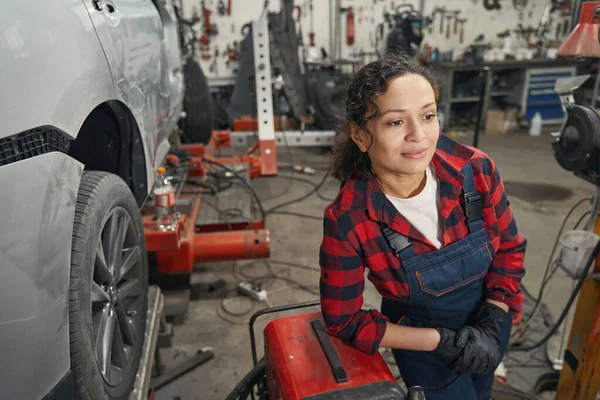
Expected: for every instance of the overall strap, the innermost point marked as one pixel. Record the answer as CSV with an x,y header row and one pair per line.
x,y
399,243
472,200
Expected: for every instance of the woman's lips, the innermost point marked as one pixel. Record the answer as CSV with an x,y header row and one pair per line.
x,y
415,154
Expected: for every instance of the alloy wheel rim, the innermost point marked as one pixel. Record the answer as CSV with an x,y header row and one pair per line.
x,y
115,296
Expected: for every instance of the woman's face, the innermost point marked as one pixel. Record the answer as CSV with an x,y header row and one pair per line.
x,y
404,135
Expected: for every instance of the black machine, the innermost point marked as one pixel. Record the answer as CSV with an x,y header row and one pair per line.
x,y
406,30
578,146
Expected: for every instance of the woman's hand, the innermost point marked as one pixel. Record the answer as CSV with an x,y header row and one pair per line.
x,y
474,349
469,350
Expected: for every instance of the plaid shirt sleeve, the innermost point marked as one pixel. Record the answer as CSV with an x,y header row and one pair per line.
x,y
341,285
503,280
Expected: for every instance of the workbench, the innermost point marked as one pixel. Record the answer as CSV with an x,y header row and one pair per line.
x,y
526,84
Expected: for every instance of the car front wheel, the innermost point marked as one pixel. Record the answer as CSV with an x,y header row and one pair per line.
x,y
108,288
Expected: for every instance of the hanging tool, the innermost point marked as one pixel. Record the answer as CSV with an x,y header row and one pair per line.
x,y
566,27
449,18
379,31
442,11
205,50
234,55
350,32
492,4
456,21
298,16
209,28
221,8
544,24
311,34
428,21
228,7
214,66
462,30
435,11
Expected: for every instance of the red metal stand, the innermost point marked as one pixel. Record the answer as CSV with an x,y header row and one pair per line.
x,y
177,250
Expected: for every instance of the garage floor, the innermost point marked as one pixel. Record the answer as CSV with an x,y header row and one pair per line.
x,y
541,194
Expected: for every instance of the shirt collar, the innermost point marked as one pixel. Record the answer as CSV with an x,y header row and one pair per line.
x,y
364,192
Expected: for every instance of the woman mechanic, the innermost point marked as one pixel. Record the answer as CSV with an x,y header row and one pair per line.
x,y
429,219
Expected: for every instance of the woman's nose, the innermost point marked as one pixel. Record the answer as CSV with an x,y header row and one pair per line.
x,y
416,133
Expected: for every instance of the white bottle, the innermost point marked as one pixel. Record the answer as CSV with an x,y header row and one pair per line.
x,y
164,202
535,129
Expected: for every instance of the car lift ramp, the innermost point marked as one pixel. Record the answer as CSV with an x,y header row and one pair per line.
x,y
143,377
145,384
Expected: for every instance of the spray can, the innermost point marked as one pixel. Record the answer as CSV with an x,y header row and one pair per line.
x,y
164,201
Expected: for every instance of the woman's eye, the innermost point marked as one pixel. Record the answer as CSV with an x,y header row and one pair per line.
x,y
429,117
395,123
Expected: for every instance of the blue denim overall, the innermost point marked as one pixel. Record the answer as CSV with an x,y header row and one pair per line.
x,y
446,286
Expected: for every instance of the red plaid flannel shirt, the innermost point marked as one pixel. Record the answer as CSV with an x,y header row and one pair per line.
x,y
353,242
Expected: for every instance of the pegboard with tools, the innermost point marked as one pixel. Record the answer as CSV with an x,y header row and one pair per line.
x,y
447,24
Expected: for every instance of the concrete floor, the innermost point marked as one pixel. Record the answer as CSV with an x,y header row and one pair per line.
x,y
541,193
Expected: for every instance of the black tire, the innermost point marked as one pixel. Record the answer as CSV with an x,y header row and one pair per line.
x,y
327,92
198,105
105,201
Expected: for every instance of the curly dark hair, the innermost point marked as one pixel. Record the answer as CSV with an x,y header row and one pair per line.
x,y
371,80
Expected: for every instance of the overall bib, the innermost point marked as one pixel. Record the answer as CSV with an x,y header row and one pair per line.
x,y
446,287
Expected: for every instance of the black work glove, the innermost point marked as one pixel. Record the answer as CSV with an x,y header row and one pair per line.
x,y
491,318
468,350
474,349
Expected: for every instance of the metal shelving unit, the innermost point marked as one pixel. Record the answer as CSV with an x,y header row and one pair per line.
x,y
526,84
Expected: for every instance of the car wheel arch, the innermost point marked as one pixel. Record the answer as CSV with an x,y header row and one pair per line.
x,y
110,140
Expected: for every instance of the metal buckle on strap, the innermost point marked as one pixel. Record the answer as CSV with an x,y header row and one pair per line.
x,y
397,241
473,206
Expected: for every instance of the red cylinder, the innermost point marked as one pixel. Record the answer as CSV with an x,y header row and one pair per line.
x,y
350,27
231,245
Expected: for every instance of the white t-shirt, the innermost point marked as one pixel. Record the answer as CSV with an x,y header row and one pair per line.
x,y
422,210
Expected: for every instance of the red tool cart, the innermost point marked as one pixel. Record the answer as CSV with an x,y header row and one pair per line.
x,y
301,361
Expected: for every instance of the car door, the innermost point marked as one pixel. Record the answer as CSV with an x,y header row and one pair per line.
x,y
131,34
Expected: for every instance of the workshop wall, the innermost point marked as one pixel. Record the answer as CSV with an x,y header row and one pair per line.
x,y
368,14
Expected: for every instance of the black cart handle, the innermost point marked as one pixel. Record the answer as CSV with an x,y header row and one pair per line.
x,y
334,361
270,311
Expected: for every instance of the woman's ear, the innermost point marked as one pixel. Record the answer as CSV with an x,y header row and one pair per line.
x,y
361,137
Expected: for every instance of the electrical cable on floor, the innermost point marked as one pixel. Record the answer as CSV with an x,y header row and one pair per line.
x,y
565,311
548,272
261,280
288,178
302,198
223,311
243,181
295,265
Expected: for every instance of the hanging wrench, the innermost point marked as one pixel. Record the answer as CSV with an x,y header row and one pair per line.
x,y
221,9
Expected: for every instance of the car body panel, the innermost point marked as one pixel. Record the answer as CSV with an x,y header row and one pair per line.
x,y
54,71
143,55
34,274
